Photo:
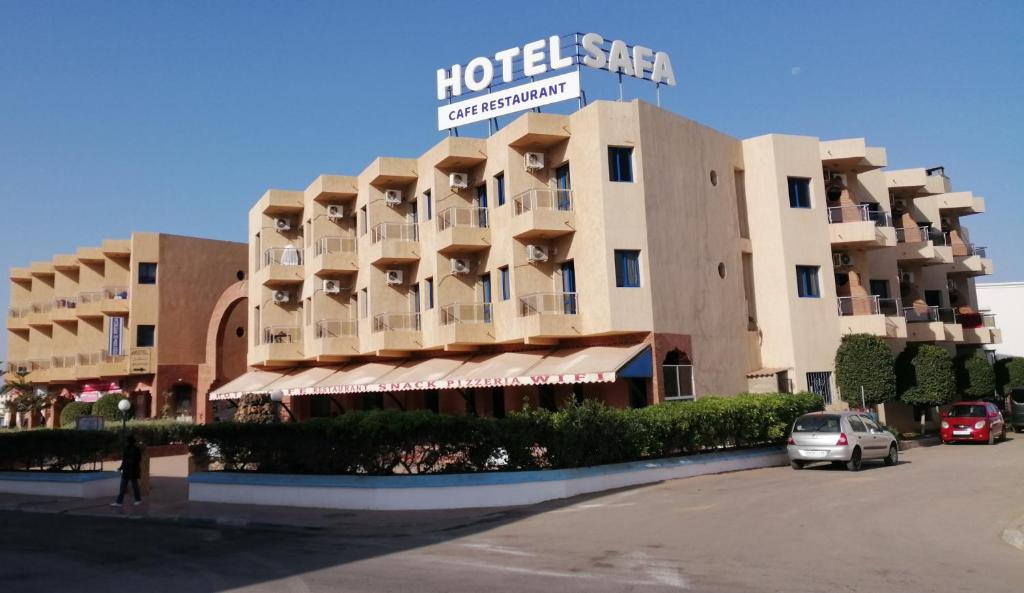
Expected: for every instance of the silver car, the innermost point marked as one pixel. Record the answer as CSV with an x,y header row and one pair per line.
x,y
847,438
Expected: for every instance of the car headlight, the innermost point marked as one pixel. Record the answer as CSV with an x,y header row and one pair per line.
x,y
979,424
945,424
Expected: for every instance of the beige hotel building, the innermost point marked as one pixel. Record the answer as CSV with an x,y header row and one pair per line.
x,y
622,252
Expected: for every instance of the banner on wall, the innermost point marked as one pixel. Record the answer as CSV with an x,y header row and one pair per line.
x,y
115,336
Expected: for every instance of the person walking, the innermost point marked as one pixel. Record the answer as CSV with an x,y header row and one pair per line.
x,y
131,471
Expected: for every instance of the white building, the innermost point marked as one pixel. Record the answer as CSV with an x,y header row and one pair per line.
x,y
1003,299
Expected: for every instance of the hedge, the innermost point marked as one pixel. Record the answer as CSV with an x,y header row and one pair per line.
x,y
383,442
55,449
71,412
106,406
156,432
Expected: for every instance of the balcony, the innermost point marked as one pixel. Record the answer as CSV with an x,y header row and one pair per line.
x,y
89,304
463,229
281,344
543,214
335,255
17,317
89,365
115,300
280,265
550,315
38,370
923,244
873,315
334,339
113,365
40,314
932,324
980,328
859,226
466,323
64,309
64,368
395,332
970,260
394,243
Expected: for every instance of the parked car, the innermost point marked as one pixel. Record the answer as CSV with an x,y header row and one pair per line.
x,y
843,438
972,422
1017,409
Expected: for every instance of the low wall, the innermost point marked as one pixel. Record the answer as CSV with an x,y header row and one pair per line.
x,y
453,491
75,485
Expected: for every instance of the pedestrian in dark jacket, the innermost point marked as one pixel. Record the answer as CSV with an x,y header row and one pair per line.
x,y
131,471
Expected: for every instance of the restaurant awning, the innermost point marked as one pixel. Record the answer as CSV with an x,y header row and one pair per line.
x,y
248,383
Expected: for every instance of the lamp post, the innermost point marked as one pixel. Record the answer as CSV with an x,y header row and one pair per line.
x,y
124,406
278,398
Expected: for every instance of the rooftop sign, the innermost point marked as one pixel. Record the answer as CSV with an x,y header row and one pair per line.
x,y
484,76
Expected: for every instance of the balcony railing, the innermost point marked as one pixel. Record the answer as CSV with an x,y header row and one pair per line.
x,y
115,293
65,303
921,314
19,312
542,199
988,319
282,256
912,234
967,249
394,231
949,316
17,366
548,303
109,358
42,307
890,307
282,334
91,359
466,313
333,244
858,213
85,298
464,216
396,322
41,364
976,319
65,362
336,328
869,305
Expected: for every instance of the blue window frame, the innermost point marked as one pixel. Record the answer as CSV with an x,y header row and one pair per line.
x,y
620,163
506,284
499,188
481,202
799,192
429,203
430,292
807,282
563,185
627,268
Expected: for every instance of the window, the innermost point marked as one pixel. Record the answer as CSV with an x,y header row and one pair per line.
x,y
870,424
364,303
933,298
147,273
429,292
506,284
828,423
620,163
256,326
429,204
363,223
677,376
880,288
145,336
807,282
499,188
821,384
799,192
856,424
627,268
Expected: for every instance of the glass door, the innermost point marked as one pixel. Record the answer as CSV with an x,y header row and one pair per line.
x,y
485,297
563,185
569,288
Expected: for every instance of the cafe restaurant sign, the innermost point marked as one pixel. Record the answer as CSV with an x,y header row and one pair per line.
x,y
481,75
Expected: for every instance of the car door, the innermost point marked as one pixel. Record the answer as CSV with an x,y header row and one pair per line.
x,y
879,438
860,436
995,419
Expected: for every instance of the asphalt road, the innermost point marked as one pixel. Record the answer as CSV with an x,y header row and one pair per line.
x,y
930,525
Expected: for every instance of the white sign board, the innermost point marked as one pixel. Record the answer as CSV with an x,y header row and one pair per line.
x,y
519,98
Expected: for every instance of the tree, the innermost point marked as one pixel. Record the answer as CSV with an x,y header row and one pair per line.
x,y
1015,372
106,406
22,398
256,408
981,378
935,378
864,361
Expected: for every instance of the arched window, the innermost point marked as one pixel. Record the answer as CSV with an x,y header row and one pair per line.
x,y
677,372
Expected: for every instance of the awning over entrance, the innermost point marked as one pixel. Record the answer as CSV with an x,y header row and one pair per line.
x,y
249,383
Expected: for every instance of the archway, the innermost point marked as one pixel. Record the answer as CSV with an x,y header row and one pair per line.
x,y
226,347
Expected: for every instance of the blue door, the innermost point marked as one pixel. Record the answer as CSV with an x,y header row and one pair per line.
x,y
485,296
569,288
481,202
563,183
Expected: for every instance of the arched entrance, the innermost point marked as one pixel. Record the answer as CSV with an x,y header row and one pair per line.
x,y
226,349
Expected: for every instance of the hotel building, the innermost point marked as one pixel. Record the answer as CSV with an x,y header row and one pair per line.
x,y
621,252
130,316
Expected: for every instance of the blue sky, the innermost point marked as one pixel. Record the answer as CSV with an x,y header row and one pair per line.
x,y
175,117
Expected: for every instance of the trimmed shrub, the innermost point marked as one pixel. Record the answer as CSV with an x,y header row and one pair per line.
x,y
936,379
1015,372
981,378
157,432
106,406
71,412
255,408
55,449
864,361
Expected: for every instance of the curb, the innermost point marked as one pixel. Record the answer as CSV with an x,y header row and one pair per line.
x,y
925,442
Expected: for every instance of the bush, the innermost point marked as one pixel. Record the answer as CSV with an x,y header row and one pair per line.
x,y
255,408
935,378
158,432
1015,373
71,412
864,360
106,406
55,449
980,377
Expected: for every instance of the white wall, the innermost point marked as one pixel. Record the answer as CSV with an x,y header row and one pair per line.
x,y
1004,299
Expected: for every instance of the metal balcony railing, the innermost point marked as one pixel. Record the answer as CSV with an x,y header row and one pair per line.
x,y
548,303
394,231
17,366
115,293
858,213
890,307
542,199
396,322
91,359
336,328
282,256
42,307
456,313
988,319
65,362
19,312
40,364
333,244
948,316
921,314
968,249
912,234
85,298
282,334
464,216
109,358
858,305
65,303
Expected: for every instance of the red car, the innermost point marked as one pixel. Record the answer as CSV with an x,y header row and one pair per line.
x,y
974,422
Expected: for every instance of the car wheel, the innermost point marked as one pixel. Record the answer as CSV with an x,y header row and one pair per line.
x,y
855,462
793,463
894,455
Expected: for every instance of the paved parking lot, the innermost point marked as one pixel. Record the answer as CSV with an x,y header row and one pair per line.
x,y
931,524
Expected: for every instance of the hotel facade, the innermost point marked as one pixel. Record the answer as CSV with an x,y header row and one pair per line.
x,y
130,316
622,252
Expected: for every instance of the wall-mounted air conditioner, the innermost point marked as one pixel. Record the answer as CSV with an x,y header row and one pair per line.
x,y
534,161
335,211
460,265
457,181
392,197
536,253
332,287
394,276
282,224
282,296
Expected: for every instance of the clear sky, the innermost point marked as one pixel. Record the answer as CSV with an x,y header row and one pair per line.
x,y
176,116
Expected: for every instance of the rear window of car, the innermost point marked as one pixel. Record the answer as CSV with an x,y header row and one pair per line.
x,y
1018,396
967,411
817,423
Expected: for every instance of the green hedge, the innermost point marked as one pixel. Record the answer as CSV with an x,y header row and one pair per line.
x,y
106,406
383,442
55,449
157,432
71,412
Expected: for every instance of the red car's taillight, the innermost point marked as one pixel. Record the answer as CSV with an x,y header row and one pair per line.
x,y
842,442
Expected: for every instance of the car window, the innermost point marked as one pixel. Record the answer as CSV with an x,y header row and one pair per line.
x,y
871,424
856,424
974,411
817,423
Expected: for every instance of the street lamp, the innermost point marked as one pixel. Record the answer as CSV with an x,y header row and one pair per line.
x,y
124,405
278,398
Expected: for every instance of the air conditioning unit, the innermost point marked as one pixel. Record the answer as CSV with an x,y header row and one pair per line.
x,y
460,266
536,253
457,181
534,161
282,296
394,276
392,197
840,177
335,211
332,287
906,278
282,224
842,259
